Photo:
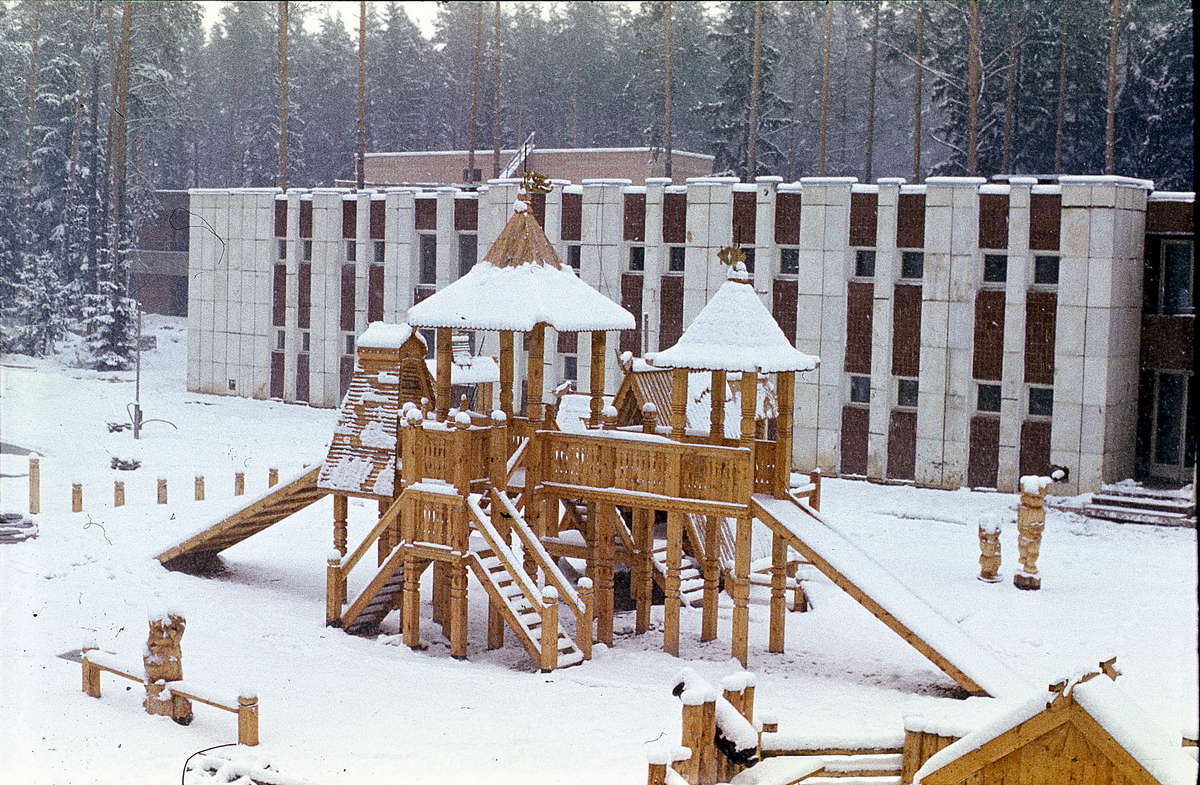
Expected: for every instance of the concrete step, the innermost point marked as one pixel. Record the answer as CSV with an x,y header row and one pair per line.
x,y
1131,515
1155,503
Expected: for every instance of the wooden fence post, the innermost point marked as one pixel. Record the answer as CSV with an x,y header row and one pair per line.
x,y
76,497
162,490
692,735
239,483
272,477
35,486
247,715
549,629
118,493
199,486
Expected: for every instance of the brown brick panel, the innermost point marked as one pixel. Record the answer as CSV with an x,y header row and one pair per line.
x,y
910,221
421,292
1167,342
783,307
744,217
568,343
302,377
572,216
346,315
631,300
1045,220
349,218
906,330
1151,275
634,218
1035,447
670,323
306,218
276,375
378,213
864,218
279,296
304,298
855,423
674,225
281,218
983,462
345,373
988,360
466,215
902,446
993,220
1040,315
787,219
1170,217
537,205
162,293
425,214
859,307
375,293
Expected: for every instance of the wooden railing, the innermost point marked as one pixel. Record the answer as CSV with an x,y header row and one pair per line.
x,y
456,455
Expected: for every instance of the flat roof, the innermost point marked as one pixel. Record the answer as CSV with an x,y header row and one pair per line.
x,y
536,150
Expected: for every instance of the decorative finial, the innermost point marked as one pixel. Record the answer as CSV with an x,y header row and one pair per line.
x,y
533,183
731,255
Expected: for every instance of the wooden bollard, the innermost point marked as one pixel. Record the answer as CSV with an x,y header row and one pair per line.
x,y
586,630
649,418
814,501
198,486
91,674
272,477
239,483
692,735
162,490
549,629
770,723
247,716
118,493
76,497
35,486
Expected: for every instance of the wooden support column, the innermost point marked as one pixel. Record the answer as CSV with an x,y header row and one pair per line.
x,y
442,382
778,590
712,577
602,568
410,617
672,601
340,509
535,362
679,391
749,395
334,591
388,538
507,364
719,386
458,610
597,380
785,393
643,575
741,592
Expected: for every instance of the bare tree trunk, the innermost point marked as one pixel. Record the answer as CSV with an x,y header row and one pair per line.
x,y
668,87
496,93
752,126
1060,116
824,121
121,131
362,93
281,178
1010,96
870,152
473,122
94,165
31,99
973,89
918,73
843,113
1110,120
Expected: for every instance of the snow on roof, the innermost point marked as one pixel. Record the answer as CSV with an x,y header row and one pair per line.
x,y
734,332
520,283
475,370
1172,196
386,335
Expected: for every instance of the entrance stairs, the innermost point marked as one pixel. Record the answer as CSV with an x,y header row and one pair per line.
x,y
1130,503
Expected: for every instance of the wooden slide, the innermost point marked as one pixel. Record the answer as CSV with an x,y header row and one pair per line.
x,y
969,663
265,511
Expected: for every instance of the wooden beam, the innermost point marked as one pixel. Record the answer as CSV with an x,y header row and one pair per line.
x,y
648,500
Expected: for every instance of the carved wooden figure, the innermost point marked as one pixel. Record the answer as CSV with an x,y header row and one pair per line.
x,y
164,663
989,552
1031,520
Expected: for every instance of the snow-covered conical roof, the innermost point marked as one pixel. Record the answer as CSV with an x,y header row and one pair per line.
x,y
734,332
520,283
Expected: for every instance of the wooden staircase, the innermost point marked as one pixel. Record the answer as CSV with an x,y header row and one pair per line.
x,y
378,599
691,576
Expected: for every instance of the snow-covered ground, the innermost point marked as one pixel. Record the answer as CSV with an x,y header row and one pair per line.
x,y
336,708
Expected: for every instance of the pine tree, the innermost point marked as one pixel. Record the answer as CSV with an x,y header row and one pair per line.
x,y
110,320
39,307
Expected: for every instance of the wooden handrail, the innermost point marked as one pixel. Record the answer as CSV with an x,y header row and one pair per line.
x,y
385,521
534,547
483,525
517,458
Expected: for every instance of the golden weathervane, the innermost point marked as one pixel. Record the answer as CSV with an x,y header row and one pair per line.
x,y
731,255
533,183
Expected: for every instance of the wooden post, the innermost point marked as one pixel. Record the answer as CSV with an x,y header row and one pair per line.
x,y
162,490
597,380
91,675
692,733
1031,520
785,387
749,395
498,456
814,500
656,773
649,418
672,601
778,589
679,391
340,513
585,631
35,485
410,618
272,477
712,577
989,552
602,568
76,497
442,381
239,483
118,493
507,361
708,766
458,610
335,589
643,576
741,592
719,385
247,715
536,346
549,659
198,485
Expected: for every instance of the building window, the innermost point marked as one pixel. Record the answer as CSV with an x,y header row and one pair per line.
x,y
305,341
351,250
573,256
675,259
864,264
308,250
428,256
350,344
1041,401
906,393
860,389
1176,278
1045,270
637,259
570,367
912,264
283,249
232,384
472,175
995,268
468,249
789,261
749,259
430,338
280,339
988,399
379,251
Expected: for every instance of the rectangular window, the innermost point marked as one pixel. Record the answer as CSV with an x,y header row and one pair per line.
x,y
468,248
906,393
379,251
349,344
351,251
472,175
283,249
573,256
1041,401
988,399
860,389
749,259
1177,278
280,339
1045,270
428,256
305,341
912,264
789,261
675,260
637,259
995,268
864,264
570,367
308,250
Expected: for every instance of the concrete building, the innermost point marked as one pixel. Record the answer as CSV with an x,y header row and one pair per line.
x,y
159,261
969,332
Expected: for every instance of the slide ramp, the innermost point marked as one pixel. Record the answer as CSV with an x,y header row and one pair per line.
x,y
962,658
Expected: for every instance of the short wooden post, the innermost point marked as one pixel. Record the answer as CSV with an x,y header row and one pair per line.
x,y
247,715
692,733
198,487
91,674
649,418
708,768
76,497
239,483
549,659
814,500
989,551
118,493
495,626
272,477
162,490
584,630
770,724
672,600
1031,520
656,773
334,588
35,486
778,589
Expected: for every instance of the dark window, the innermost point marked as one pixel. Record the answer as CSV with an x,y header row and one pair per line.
x,y
280,339
676,258
428,259
351,251
349,344
430,338
637,259
995,268
906,392
467,250
1045,269
864,264
1171,391
305,341
570,367
472,175
573,256
912,264
989,398
789,261
860,389
1041,401
379,252
1177,278
283,249
308,250
749,259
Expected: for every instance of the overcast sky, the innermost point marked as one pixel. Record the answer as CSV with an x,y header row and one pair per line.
x,y
420,11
